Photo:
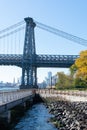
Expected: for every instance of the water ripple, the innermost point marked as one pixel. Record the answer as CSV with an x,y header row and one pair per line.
x,y
35,119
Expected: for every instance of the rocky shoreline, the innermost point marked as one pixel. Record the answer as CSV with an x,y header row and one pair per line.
x,y
68,115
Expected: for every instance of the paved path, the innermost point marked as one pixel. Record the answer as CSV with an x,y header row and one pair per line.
x,y
72,96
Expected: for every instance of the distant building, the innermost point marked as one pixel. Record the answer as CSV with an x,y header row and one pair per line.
x,y
54,79
49,79
42,85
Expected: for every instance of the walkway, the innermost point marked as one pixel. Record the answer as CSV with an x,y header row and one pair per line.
x,y
7,97
72,96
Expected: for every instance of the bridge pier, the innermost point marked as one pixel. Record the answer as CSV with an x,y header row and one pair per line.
x,y
29,70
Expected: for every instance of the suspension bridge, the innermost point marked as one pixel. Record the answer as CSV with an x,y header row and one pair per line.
x,y
17,48
13,52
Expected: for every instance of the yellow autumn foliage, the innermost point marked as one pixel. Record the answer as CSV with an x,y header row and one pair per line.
x,y
81,65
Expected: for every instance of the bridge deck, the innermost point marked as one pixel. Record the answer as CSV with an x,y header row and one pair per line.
x,y
40,60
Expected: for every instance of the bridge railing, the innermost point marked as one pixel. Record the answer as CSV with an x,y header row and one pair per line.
x,y
6,97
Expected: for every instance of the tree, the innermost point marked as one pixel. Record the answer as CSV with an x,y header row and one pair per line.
x,y
64,81
80,69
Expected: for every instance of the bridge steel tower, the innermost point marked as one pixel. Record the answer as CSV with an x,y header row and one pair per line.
x,y
29,71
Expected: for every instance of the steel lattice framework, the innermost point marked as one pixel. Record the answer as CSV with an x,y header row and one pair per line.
x,y
30,61
64,61
28,70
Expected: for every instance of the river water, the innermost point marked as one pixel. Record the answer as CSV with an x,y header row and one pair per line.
x,y
35,119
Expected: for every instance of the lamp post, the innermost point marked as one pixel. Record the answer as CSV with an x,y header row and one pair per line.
x,y
51,82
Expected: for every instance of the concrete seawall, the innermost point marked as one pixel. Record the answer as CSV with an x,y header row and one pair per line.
x,y
11,112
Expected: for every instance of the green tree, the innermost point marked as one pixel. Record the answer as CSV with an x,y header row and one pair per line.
x,y
64,81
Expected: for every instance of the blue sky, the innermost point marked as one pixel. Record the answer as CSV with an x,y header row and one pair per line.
x,y
67,15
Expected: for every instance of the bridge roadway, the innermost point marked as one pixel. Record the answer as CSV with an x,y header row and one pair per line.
x,y
39,60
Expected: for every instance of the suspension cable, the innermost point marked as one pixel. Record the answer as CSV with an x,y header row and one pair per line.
x,y
12,27
62,34
12,32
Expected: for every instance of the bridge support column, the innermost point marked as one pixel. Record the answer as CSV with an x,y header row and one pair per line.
x,y
29,69
35,77
22,80
29,78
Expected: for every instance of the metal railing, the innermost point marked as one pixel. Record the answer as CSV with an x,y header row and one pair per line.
x,y
6,97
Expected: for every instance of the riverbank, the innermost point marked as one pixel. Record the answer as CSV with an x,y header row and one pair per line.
x,y
68,115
